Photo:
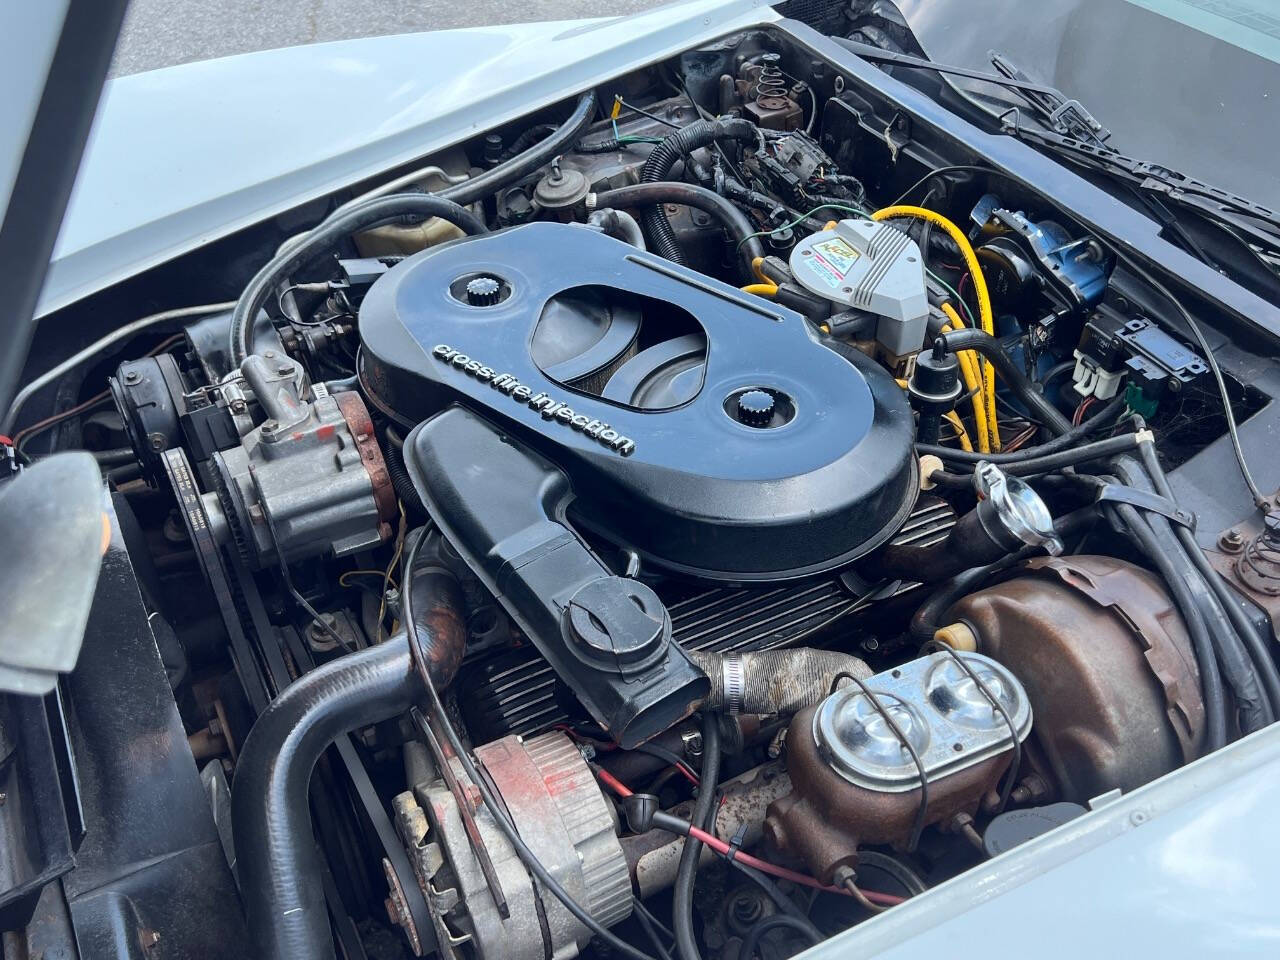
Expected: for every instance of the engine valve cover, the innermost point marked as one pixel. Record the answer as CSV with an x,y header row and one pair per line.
x,y
786,459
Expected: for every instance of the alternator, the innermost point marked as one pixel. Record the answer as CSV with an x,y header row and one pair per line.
x,y
549,792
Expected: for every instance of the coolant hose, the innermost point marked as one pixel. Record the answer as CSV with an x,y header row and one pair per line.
x,y
278,859
663,158
773,682
989,347
976,539
704,811
523,164
394,208
733,219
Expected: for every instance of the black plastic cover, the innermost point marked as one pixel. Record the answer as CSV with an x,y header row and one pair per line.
x,y
502,508
690,488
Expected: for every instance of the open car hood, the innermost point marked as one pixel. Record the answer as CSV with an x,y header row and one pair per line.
x,y
54,58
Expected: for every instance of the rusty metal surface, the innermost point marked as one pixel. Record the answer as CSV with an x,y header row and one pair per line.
x,y
356,415
654,856
1246,559
1107,664
550,794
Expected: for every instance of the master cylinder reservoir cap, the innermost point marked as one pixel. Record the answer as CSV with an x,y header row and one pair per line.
x,y
945,715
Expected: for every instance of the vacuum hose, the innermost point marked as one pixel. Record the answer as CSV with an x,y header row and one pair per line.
x,y
279,862
395,208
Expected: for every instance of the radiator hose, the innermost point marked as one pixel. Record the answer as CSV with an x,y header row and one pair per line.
x,y
772,682
278,859
687,194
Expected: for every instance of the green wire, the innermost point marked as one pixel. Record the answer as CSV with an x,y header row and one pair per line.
x,y
964,307
801,219
631,139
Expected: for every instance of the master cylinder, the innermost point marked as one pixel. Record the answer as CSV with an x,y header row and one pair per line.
x,y
876,762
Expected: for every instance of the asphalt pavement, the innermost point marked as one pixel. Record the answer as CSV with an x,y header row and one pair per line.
x,y
159,33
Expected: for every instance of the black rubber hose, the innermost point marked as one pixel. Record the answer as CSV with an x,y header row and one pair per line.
x,y
279,862
1258,646
663,158
1237,667
734,189
989,347
1210,677
734,220
928,618
778,921
523,164
703,810
402,483
1104,417
520,144
1098,450
969,544
1255,644
393,208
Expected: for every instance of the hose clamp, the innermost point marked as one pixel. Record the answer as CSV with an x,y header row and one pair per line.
x,y
734,680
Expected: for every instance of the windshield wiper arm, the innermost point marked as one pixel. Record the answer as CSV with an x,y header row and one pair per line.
x,y
1067,116
1059,111
1154,178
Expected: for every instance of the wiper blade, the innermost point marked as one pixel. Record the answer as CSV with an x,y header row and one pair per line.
x,y
1153,178
1060,112
1075,135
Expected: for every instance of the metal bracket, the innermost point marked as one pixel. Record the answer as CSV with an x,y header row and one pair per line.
x,y
1145,500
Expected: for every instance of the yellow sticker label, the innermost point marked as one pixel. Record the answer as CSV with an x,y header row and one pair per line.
x,y
617,107
838,254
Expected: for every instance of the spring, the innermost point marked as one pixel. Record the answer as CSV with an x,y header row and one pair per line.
x,y
1259,561
770,83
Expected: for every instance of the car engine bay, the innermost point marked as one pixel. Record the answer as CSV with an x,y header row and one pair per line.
x,y
850,553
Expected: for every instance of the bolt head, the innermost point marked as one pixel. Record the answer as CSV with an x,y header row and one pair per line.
x,y
132,376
